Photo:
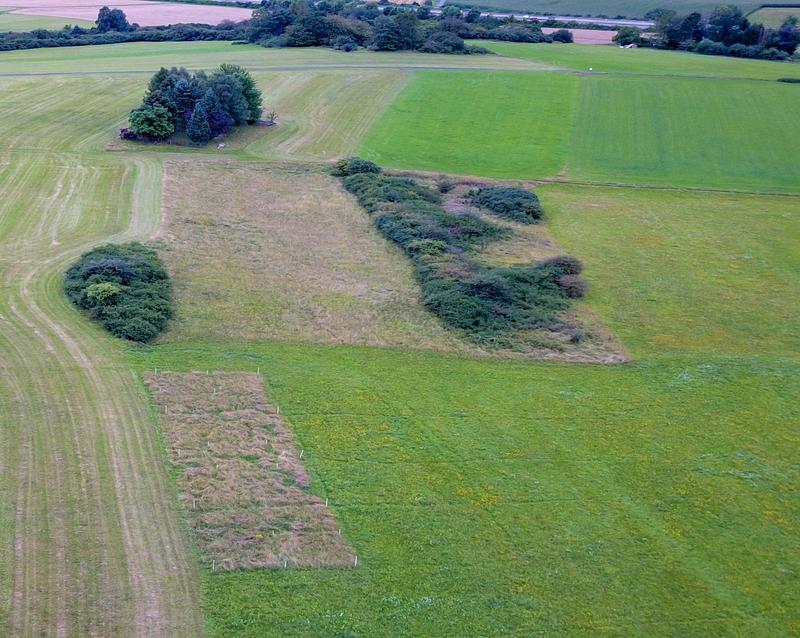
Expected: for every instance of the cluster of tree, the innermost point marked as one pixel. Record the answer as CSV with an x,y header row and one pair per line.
x,y
491,304
199,104
726,31
349,25
125,287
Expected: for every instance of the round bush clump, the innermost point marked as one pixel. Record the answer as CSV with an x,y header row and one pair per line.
x,y
125,287
515,204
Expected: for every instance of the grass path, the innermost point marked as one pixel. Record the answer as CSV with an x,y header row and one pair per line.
x,y
89,518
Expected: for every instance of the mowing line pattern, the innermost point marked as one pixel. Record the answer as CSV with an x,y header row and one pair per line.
x,y
89,521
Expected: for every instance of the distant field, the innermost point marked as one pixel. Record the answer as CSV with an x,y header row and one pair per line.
x,y
142,57
636,130
609,8
773,16
691,272
142,12
21,22
454,123
644,61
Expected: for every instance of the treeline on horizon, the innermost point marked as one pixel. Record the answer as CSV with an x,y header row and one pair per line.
x,y
726,31
344,25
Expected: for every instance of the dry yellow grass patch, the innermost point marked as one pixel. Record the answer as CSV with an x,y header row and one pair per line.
x,y
282,252
240,476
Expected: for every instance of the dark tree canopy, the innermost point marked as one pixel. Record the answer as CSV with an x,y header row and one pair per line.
x,y
202,105
112,20
123,286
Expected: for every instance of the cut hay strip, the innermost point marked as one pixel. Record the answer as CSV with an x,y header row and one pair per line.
x,y
240,477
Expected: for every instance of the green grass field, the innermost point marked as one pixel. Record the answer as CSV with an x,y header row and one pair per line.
x,y
635,130
448,122
483,497
22,22
618,129
773,16
611,59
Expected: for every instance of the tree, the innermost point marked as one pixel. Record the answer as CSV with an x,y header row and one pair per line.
x,y
111,20
407,25
152,120
386,37
198,129
229,95
251,92
628,35
562,35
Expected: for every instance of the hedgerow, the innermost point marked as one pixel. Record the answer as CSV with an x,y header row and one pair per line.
x,y
489,304
123,286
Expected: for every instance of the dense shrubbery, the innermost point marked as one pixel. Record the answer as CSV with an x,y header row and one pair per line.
x,y
125,287
514,203
726,31
489,303
202,105
354,165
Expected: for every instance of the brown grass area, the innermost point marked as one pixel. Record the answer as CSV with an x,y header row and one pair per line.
x,y
240,476
282,252
587,36
142,12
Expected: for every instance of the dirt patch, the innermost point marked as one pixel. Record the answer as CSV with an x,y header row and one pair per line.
x,y
240,476
142,12
587,36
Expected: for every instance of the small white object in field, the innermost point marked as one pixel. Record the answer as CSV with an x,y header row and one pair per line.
x,y
221,146
590,68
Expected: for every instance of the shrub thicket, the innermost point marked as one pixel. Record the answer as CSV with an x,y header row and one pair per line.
x,y
123,286
490,304
354,165
514,203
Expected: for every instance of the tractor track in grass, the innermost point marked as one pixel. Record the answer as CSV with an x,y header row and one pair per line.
x,y
96,545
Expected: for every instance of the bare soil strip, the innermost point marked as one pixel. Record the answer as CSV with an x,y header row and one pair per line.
x,y
240,476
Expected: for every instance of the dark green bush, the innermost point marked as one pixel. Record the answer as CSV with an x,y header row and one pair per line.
x,y
123,286
354,166
566,264
488,303
513,203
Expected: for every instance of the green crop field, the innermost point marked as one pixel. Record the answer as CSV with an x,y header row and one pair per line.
x,y
636,130
451,123
628,129
484,495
